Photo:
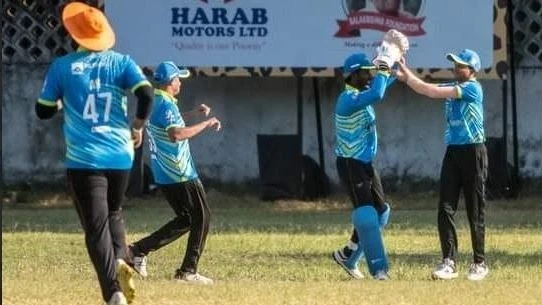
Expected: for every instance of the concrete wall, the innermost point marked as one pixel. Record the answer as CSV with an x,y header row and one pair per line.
x,y
529,105
410,126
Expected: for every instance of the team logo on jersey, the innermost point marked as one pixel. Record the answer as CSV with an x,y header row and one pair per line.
x,y
78,68
170,117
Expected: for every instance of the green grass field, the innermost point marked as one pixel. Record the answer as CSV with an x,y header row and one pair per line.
x,y
276,253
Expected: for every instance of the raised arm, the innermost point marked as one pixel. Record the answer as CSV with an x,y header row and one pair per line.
x,y
202,108
375,93
176,133
430,90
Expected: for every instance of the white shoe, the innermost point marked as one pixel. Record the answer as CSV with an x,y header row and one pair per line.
x,y
477,272
338,257
140,265
381,276
445,270
117,299
193,278
125,275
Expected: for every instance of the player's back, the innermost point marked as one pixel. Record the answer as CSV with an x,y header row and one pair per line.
x,y
92,88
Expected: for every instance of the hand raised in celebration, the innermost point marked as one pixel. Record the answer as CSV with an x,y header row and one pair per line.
x,y
206,110
214,123
401,73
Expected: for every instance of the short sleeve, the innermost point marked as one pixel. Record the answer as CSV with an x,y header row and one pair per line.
x,y
169,116
133,76
52,86
468,91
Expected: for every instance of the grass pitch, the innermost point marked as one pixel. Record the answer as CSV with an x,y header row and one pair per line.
x,y
276,253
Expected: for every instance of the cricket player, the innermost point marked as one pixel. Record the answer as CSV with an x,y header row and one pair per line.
x,y
356,136
465,162
175,172
89,85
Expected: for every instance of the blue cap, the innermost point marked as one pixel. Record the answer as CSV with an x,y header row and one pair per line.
x,y
167,71
357,61
466,57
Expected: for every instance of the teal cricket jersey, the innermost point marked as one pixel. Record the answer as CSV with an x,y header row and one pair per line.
x,y
465,115
91,86
171,162
355,121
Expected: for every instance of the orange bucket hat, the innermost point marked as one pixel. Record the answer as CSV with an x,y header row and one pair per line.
x,y
88,26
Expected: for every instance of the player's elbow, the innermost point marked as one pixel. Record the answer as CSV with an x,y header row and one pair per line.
x,y
433,94
378,95
378,92
176,134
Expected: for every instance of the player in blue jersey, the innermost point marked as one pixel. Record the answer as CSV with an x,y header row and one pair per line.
x,y
89,85
174,171
356,137
465,161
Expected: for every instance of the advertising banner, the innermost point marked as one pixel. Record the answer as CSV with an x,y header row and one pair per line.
x,y
301,33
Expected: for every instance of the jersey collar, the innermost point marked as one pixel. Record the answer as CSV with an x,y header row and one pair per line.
x,y
168,97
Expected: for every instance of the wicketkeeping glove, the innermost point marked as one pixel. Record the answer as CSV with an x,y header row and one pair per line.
x,y
393,47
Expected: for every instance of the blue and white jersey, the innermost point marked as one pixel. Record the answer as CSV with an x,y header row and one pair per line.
x,y
91,86
355,121
465,115
171,162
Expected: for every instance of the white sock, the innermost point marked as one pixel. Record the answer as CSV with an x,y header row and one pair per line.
x,y
352,245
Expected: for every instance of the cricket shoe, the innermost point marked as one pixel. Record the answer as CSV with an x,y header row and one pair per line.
x,y
139,261
125,278
477,271
192,278
117,299
381,276
445,270
339,257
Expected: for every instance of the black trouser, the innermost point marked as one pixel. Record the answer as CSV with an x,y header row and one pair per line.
x,y
192,215
464,167
363,185
98,196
